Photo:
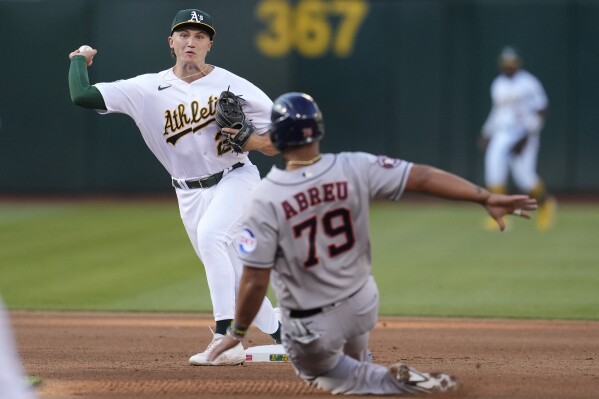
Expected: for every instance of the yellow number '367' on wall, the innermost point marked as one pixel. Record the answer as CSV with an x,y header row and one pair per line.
x,y
312,27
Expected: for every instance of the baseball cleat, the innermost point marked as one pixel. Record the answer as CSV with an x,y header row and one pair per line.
x,y
231,357
490,224
546,218
423,382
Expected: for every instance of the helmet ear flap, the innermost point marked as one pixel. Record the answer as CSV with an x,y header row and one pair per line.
x,y
274,138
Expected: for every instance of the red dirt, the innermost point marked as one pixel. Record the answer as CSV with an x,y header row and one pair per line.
x,y
144,355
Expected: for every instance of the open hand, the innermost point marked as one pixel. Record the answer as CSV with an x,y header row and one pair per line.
x,y
520,144
499,205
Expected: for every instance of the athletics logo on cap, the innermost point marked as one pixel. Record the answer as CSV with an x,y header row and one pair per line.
x,y
193,17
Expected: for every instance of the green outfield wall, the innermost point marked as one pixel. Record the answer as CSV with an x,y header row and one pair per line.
x,y
405,78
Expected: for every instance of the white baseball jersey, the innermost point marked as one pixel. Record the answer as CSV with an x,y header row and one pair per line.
x,y
177,122
516,103
176,118
515,114
311,226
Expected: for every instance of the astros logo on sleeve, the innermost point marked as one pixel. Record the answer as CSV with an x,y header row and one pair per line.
x,y
247,241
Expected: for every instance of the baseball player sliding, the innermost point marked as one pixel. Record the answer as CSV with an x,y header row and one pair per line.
x,y
511,135
308,226
176,112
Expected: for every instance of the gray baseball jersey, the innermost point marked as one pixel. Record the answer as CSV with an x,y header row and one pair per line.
x,y
311,226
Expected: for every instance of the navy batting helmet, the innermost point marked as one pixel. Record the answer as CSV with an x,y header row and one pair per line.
x,y
295,120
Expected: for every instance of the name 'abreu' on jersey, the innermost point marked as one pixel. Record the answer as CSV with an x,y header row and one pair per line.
x,y
327,192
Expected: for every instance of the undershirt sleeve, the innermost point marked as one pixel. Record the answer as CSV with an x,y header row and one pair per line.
x,y
82,92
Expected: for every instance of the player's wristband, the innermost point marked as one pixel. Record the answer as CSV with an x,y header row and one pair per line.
x,y
237,332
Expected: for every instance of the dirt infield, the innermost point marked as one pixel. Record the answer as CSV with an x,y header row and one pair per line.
x,y
144,355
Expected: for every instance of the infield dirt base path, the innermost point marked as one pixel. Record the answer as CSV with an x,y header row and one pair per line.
x,y
144,355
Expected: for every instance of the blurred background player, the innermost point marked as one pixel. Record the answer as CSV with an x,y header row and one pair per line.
x,y
511,134
13,383
308,224
174,111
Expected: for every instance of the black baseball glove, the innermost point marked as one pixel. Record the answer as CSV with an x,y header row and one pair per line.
x,y
229,113
520,144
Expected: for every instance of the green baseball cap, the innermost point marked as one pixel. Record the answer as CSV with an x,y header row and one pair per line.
x,y
194,17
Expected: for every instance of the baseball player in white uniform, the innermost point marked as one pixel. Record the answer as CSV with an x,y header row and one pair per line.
x,y
306,228
175,113
511,135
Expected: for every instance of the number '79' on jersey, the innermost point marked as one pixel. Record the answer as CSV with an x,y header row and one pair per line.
x,y
334,223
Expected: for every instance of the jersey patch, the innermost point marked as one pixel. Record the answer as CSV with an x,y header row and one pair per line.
x,y
388,163
247,241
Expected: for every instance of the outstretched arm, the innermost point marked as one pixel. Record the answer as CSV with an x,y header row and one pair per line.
x,y
439,183
82,92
